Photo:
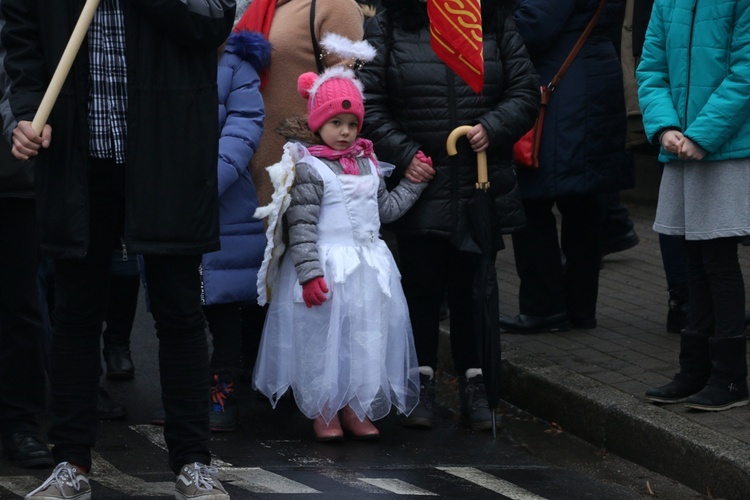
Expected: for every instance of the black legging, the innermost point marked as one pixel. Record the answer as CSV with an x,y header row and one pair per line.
x,y
716,289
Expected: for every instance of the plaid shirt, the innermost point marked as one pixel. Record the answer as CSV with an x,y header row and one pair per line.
x,y
108,96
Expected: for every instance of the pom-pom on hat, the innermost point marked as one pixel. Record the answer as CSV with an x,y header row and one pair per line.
x,y
334,92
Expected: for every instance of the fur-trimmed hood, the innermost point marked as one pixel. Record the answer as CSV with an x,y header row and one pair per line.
x,y
295,129
252,47
412,14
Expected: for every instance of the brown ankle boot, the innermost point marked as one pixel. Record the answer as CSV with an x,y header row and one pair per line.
x,y
359,430
328,432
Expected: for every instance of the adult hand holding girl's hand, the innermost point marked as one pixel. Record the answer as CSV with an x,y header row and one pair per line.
x,y
420,168
314,291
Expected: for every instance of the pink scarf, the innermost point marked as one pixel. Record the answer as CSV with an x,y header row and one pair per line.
x,y
347,157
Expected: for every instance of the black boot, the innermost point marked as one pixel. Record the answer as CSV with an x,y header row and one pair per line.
x,y
475,410
727,386
678,307
123,300
695,368
422,416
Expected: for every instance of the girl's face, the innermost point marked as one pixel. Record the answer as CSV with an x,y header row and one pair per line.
x,y
340,132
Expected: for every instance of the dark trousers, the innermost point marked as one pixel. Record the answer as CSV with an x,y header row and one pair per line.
x,y
673,256
716,289
81,296
123,303
616,219
225,325
430,267
253,319
673,259
22,377
547,287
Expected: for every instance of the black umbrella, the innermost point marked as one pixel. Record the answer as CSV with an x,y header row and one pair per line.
x,y
478,240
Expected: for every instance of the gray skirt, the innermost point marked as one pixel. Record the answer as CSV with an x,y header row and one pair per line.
x,y
704,200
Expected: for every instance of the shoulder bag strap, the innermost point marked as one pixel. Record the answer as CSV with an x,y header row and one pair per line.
x,y
547,92
316,47
573,53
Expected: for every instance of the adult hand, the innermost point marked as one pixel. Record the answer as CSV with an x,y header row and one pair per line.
x,y
670,141
314,291
478,138
687,149
420,170
26,142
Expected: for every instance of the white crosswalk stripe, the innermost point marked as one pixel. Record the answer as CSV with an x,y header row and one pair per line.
x,y
20,485
258,480
490,482
396,486
155,434
108,475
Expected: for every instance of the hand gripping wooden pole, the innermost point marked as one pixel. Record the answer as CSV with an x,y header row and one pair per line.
x,y
63,67
482,181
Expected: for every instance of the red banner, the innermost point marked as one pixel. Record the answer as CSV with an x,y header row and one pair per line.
x,y
456,37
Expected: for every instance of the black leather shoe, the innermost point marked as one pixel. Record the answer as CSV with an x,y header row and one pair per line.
x,y
620,243
534,324
26,450
119,363
106,409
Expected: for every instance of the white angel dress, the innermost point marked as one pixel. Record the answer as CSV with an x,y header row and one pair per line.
x,y
356,348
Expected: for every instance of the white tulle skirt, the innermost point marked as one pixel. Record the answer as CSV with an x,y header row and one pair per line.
x,y
356,349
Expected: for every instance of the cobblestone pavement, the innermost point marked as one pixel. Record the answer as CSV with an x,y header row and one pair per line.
x,y
592,382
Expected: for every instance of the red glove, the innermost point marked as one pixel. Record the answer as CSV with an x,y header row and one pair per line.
x,y
424,159
314,291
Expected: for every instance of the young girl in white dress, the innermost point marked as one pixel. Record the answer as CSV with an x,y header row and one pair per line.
x,y
337,331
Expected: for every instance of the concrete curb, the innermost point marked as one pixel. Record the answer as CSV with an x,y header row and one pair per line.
x,y
662,441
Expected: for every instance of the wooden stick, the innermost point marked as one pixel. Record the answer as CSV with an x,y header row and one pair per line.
x,y
63,67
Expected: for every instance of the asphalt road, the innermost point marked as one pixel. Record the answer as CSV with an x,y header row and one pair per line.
x,y
273,454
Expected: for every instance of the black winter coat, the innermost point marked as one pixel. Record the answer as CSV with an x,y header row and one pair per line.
x,y
171,184
413,101
16,176
583,140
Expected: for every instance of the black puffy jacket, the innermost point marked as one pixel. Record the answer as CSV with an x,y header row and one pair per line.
x,y
413,101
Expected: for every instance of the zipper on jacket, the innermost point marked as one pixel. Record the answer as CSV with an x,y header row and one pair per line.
x,y
124,250
689,65
452,119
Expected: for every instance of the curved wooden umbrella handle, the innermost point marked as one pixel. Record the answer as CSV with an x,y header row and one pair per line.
x,y
450,145
63,67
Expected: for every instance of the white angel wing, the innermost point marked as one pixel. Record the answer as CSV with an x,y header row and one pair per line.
x,y
282,177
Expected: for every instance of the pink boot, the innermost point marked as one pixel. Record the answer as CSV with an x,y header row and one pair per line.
x,y
330,432
359,430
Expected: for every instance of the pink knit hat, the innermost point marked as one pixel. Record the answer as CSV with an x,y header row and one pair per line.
x,y
335,91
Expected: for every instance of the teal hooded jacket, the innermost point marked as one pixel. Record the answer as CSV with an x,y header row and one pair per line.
x,y
694,75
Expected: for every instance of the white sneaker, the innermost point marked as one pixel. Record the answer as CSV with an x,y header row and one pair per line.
x,y
199,481
66,481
